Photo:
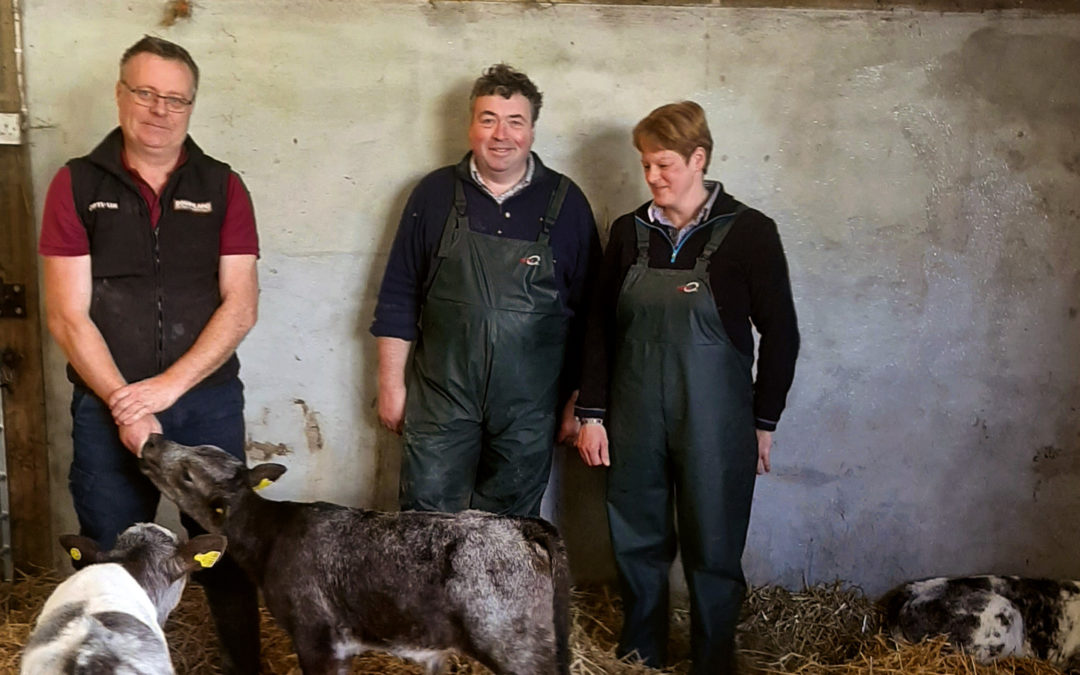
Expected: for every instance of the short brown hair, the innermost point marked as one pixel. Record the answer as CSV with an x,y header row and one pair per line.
x,y
166,50
503,80
679,127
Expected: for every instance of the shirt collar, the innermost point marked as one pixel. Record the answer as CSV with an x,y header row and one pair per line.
x,y
530,168
656,214
137,177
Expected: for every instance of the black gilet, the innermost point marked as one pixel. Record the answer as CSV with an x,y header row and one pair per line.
x,y
154,289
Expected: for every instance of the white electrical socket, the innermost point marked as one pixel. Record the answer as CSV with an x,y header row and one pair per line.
x,y
10,129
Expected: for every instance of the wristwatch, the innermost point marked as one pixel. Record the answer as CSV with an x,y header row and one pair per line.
x,y
591,420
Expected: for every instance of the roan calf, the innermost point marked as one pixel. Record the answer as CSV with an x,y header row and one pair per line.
x,y
341,581
991,617
108,616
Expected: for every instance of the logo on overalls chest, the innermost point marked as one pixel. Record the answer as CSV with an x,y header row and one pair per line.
x,y
691,287
531,261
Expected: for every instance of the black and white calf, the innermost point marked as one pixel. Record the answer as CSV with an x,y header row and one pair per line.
x,y
991,616
341,581
108,616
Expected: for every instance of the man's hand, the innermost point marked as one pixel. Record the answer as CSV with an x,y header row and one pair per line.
x,y
391,408
132,401
134,435
592,445
568,426
569,429
764,447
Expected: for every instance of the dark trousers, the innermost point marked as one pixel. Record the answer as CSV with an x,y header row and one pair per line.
x,y
110,494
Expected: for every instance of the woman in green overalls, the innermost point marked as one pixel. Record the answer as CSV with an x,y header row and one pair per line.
x,y
667,378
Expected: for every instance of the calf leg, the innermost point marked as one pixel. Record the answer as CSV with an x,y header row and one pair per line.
x,y
215,415
322,664
435,667
234,606
522,644
432,661
315,650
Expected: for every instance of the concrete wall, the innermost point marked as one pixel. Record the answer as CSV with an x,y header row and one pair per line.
x,y
924,169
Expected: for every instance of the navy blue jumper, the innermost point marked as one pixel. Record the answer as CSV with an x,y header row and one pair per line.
x,y
574,243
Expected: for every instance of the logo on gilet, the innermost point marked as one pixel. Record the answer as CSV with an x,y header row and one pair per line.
x,y
691,287
194,207
531,261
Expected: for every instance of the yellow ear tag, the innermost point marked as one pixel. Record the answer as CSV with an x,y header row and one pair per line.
x,y
263,483
75,554
219,510
207,559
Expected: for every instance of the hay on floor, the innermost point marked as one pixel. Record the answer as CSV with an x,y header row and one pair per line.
x,y
827,624
829,630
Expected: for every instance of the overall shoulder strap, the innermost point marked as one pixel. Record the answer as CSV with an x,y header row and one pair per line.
x,y
554,207
641,230
457,221
721,225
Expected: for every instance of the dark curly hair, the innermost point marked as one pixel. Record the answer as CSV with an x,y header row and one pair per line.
x,y
503,80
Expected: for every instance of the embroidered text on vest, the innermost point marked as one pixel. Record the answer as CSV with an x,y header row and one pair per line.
x,y
195,207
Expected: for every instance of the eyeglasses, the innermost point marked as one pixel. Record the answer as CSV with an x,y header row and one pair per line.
x,y
149,97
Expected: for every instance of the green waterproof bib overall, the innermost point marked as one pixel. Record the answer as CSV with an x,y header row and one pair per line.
x,y
480,414
682,436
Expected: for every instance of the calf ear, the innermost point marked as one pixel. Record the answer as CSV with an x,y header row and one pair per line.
x,y
201,551
261,475
83,550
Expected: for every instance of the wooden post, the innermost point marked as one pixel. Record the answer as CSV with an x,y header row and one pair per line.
x,y
20,333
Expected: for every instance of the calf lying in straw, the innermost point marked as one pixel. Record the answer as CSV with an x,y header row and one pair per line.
x,y
991,617
341,581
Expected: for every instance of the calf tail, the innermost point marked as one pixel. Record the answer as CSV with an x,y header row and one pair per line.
x,y
544,535
560,581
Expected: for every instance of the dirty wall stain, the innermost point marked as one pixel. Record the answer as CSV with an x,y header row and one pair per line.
x,y
1051,462
1031,76
1022,93
261,451
312,432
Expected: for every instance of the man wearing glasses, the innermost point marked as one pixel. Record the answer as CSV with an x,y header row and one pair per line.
x,y
149,251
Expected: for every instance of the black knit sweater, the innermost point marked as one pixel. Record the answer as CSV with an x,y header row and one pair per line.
x,y
749,279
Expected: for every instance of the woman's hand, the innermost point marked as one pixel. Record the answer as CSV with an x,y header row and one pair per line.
x,y
592,445
764,447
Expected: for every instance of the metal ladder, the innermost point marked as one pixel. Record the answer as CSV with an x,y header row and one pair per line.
x,y
5,508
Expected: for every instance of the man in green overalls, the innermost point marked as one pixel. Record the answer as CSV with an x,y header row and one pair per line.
x,y
487,276
683,277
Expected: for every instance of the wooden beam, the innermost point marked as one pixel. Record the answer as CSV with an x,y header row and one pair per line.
x,y
9,83
20,337
971,6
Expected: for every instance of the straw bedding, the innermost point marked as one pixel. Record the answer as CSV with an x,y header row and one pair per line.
x,y
828,629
